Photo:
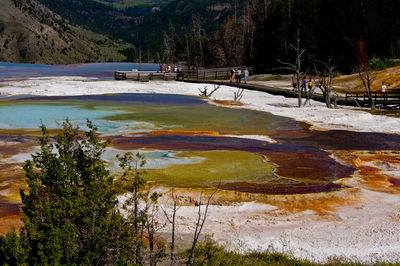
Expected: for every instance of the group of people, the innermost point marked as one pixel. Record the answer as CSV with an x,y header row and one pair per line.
x,y
238,73
304,85
169,69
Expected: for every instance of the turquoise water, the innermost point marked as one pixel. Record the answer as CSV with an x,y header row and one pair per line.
x,y
125,113
32,116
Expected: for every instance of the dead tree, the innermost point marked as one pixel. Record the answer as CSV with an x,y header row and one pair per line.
x,y
325,82
140,59
237,96
201,218
296,67
365,74
197,33
168,53
171,219
187,48
151,224
204,92
364,70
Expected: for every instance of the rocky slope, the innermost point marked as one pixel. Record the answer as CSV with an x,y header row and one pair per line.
x,y
32,33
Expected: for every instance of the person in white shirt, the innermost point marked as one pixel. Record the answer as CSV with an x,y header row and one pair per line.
x,y
384,87
246,75
238,75
384,90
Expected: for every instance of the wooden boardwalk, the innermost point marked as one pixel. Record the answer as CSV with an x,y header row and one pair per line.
x,y
192,74
144,76
390,101
211,73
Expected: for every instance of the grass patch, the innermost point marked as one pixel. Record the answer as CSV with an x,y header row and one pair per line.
x,y
267,77
209,253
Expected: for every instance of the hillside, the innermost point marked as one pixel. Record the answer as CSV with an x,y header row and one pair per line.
x,y
73,31
121,4
32,33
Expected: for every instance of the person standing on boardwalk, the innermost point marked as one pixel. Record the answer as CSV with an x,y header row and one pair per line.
x,y
310,85
232,75
238,75
383,87
303,85
384,90
246,75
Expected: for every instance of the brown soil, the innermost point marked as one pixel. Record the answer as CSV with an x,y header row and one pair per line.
x,y
7,223
352,82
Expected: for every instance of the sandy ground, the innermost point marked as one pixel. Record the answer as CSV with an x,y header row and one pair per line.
x,y
362,222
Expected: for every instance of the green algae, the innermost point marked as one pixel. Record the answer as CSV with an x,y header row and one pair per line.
x,y
204,118
216,166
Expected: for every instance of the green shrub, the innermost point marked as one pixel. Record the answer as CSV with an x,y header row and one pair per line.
x,y
209,253
377,64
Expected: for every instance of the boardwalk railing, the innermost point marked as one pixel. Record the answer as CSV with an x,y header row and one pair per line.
x,y
209,74
143,76
388,100
192,74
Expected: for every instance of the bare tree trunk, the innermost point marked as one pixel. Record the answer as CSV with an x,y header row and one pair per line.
x,y
199,226
197,29
172,248
172,220
296,67
187,47
298,64
364,72
167,48
140,58
325,81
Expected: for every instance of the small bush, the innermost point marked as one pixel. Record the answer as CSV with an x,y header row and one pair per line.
x,y
377,64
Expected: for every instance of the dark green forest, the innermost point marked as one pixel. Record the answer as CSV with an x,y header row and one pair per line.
x,y
264,31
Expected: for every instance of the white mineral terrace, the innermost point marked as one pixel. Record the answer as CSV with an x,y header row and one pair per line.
x,y
366,228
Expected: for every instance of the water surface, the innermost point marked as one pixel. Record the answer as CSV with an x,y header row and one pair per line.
x,y
15,71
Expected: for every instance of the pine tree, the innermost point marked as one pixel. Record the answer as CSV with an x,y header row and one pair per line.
x,y
71,214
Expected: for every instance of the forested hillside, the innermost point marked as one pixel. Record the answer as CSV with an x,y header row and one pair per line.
x,y
211,33
31,33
